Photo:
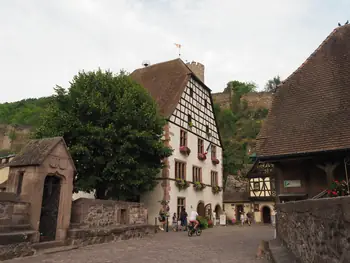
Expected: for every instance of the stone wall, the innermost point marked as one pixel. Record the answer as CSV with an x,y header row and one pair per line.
x,y
224,99
12,211
16,234
95,221
13,137
255,100
316,230
89,213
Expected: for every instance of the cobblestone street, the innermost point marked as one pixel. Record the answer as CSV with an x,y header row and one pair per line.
x,y
220,244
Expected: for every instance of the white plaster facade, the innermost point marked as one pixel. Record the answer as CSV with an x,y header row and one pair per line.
x,y
231,213
202,119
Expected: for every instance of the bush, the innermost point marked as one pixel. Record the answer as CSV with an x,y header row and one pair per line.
x,y
203,222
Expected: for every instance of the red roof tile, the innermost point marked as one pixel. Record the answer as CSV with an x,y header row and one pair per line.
x,y
311,108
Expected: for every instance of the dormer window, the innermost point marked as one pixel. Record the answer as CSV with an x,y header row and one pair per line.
x,y
189,118
205,103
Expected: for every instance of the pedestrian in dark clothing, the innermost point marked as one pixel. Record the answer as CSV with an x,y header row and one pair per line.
x,y
183,219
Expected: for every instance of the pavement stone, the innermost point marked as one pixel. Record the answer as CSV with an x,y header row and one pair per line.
x,y
217,245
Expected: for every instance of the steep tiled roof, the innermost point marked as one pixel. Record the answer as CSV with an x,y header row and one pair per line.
x,y
311,108
165,81
230,197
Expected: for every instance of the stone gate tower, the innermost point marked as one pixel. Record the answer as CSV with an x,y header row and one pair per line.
x,y
197,68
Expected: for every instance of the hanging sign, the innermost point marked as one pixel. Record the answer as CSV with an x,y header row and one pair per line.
x,y
291,183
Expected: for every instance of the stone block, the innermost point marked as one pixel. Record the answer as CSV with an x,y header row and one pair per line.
x,y
19,219
21,208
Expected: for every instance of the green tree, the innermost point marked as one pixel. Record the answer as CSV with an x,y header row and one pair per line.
x,y
271,85
114,133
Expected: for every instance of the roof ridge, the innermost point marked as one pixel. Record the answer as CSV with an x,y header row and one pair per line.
x,y
312,54
157,64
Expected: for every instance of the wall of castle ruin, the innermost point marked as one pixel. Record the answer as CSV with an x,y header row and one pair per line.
x,y
13,137
255,100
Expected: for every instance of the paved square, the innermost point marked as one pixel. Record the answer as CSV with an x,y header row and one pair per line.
x,y
220,244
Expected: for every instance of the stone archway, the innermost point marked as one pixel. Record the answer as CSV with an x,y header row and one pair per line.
x,y
50,208
201,208
266,215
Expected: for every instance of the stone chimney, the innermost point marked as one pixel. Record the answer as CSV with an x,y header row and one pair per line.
x,y
197,68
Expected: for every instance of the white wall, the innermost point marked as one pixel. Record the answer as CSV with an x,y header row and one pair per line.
x,y
192,196
151,202
230,210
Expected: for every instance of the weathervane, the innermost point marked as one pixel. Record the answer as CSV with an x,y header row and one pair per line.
x,y
179,47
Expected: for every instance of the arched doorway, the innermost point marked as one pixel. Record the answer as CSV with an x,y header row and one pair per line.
x,y
218,211
49,208
201,209
266,215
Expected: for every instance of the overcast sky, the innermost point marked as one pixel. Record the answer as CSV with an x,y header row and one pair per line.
x,y
46,42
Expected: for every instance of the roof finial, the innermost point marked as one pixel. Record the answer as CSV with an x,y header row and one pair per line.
x,y
179,47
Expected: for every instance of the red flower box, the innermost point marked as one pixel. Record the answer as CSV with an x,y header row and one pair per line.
x,y
215,160
202,156
185,150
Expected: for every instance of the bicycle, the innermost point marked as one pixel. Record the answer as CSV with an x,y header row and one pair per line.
x,y
191,230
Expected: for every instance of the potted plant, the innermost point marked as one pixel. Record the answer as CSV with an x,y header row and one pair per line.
x,y
202,156
185,150
181,183
338,189
190,124
215,160
198,186
216,189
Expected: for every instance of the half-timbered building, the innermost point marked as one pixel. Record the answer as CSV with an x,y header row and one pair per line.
x,y
192,178
262,191
306,134
254,194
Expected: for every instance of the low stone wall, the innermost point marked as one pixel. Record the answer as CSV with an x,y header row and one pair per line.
x,y
84,237
16,234
12,211
90,213
96,221
316,231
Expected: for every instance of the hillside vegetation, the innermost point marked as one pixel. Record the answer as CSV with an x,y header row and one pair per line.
x,y
25,112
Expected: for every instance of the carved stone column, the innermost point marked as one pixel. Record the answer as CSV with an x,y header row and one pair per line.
x,y
329,168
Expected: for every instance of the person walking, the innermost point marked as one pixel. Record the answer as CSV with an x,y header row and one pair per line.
x,y
249,218
242,218
162,218
174,225
183,219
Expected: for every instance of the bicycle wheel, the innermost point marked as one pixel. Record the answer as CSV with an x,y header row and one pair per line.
x,y
189,232
198,232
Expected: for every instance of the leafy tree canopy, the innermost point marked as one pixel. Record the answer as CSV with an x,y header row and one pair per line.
x,y
271,85
114,133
